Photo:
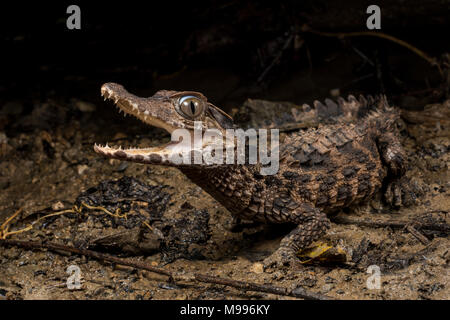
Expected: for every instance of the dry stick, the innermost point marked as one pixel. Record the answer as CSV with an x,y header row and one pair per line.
x,y
419,236
417,51
4,227
396,224
276,59
247,286
84,252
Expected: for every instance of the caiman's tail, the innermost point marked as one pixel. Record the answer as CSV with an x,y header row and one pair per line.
x,y
369,110
287,117
349,110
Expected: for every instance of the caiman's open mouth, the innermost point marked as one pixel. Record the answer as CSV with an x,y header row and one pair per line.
x,y
148,110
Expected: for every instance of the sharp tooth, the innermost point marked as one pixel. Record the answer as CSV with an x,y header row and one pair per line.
x,y
146,112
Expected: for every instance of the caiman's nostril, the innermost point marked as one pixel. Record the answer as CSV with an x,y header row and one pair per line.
x,y
106,90
111,87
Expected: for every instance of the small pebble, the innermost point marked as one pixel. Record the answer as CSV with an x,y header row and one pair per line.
x,y
335,92
57,206
85,106
327,287
81,168
123,166
257,268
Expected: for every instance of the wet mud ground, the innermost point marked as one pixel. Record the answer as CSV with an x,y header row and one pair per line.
x,y
165,220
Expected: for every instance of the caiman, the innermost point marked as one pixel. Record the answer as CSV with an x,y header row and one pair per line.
x,y
321,170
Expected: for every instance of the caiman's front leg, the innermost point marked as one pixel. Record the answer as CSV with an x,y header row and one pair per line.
x,y
392,153
400,191
312,223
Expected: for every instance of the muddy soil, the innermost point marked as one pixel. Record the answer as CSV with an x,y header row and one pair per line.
x,y
156,215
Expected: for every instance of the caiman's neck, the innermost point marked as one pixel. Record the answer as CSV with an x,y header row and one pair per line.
x,y
225,183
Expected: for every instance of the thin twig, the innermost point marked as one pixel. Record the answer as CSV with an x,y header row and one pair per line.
x,y
276,59
420,53
249,286
392,223
5,226
173,276
4,233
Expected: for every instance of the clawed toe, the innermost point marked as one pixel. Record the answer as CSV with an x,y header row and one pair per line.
x,y
283,257
402,192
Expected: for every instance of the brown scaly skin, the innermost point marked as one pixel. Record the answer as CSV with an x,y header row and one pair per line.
x,y
321,169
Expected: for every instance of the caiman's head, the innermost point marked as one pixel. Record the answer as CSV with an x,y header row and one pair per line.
x,y
169,110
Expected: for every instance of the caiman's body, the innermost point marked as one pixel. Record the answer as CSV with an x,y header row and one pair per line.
x,y
320,170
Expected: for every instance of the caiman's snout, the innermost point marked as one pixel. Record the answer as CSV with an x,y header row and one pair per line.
x,y
112,89
158,111
154,111
125,101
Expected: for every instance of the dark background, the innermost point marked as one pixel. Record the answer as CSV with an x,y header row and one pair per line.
x,y
225,49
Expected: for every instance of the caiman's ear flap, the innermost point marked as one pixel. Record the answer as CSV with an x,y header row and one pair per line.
x,y
221,117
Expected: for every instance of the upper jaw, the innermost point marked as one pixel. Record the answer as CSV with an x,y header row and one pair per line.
x,y
148,110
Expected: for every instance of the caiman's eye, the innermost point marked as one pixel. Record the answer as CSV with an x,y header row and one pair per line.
x,y
190,106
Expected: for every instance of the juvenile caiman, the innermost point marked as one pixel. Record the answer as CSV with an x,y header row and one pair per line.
x,y
320,171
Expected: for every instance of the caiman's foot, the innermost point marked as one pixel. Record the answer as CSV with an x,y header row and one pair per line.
x,y
283,257
312,224
402,192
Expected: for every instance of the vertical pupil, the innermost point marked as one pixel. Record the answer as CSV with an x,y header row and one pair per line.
x,y
193,107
